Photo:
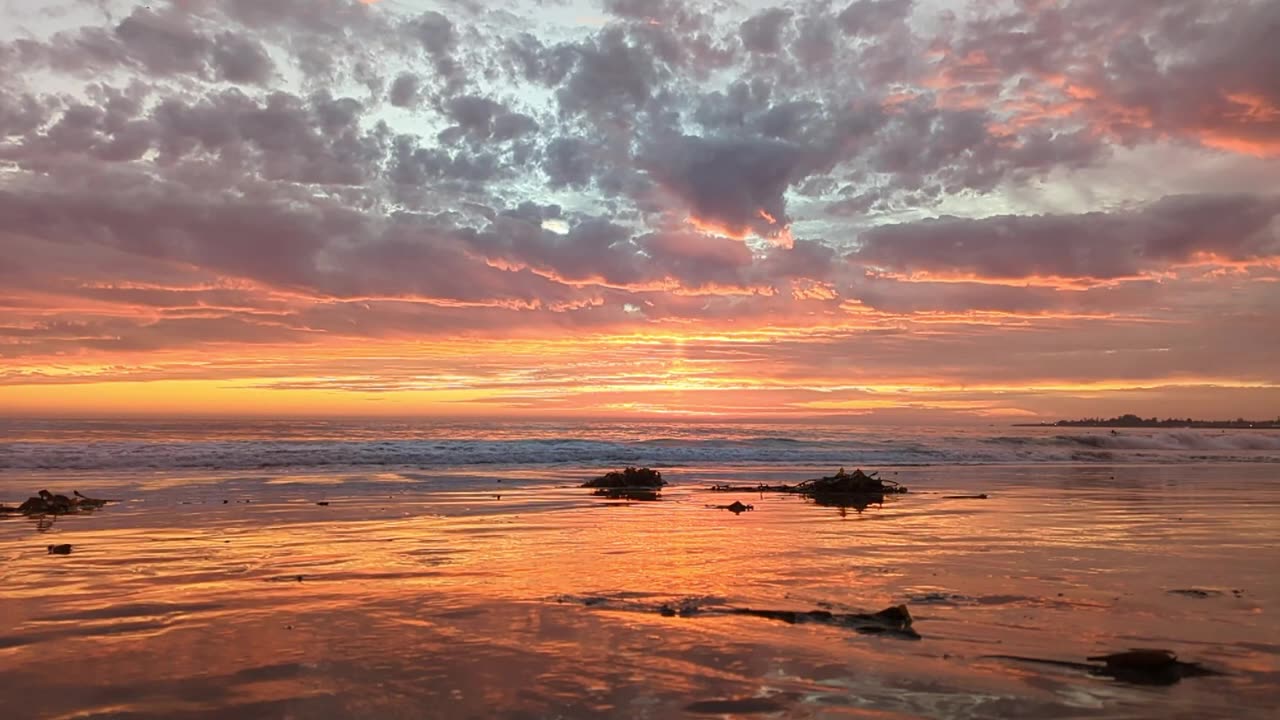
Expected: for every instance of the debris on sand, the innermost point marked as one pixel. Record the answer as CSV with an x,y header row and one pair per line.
x,y
1141,666
1198,593
842,483
854,482
47,503
735,507
638,494
856,490
64,549
893,621
630,483
628,478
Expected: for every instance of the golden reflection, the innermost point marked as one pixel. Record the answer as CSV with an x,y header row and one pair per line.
x,y
183,604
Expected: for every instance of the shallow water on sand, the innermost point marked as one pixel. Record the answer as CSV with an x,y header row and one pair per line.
x,y
451,594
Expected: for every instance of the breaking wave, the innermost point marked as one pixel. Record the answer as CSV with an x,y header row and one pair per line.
x,y
1222,440
851,447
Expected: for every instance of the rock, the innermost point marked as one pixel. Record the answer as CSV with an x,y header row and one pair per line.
x,y
64,549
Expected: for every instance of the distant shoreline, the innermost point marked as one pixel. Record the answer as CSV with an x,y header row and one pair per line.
x,y
1161,424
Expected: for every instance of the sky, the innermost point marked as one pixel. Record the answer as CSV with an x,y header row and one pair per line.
x,y
883,210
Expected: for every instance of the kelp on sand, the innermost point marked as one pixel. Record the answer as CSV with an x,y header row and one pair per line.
x,y
842,483
47,503
630,483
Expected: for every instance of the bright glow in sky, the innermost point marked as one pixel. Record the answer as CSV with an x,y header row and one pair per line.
x,y
895,210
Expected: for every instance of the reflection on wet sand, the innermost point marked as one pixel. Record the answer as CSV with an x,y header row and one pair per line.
x,y
406,597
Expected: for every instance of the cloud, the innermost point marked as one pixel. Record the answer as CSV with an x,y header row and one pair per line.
x,y
873,17
404,90
1091,246
903,180
735,183
763,33
159,43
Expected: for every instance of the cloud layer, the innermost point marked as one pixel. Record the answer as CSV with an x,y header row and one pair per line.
x,y
774,208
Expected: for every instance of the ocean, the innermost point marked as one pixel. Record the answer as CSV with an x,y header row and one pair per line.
x,y
230,445
408,569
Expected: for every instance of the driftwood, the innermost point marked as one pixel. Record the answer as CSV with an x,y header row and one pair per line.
x,y
894,621
1138,667
47,503
890,621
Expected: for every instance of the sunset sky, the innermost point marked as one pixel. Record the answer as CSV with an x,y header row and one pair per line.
x,y
985,210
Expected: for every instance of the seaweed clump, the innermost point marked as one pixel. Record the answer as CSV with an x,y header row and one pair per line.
x,y
842,483
845,482
630,483
855,489
47,503
631,477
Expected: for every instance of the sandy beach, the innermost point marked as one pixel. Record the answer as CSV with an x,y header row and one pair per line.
x,y
318,318
516,594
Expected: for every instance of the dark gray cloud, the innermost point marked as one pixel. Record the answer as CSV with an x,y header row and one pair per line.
x,y
473,114
434,31
763,32
156,43
238,59
607,73
1098,245
730,182
22,113
319,139
873,17
404,90
815,43
568,162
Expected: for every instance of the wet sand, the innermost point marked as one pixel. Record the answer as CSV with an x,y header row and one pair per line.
x,y
438,594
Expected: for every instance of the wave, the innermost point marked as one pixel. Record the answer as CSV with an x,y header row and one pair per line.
x,y
863,449
1178,440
